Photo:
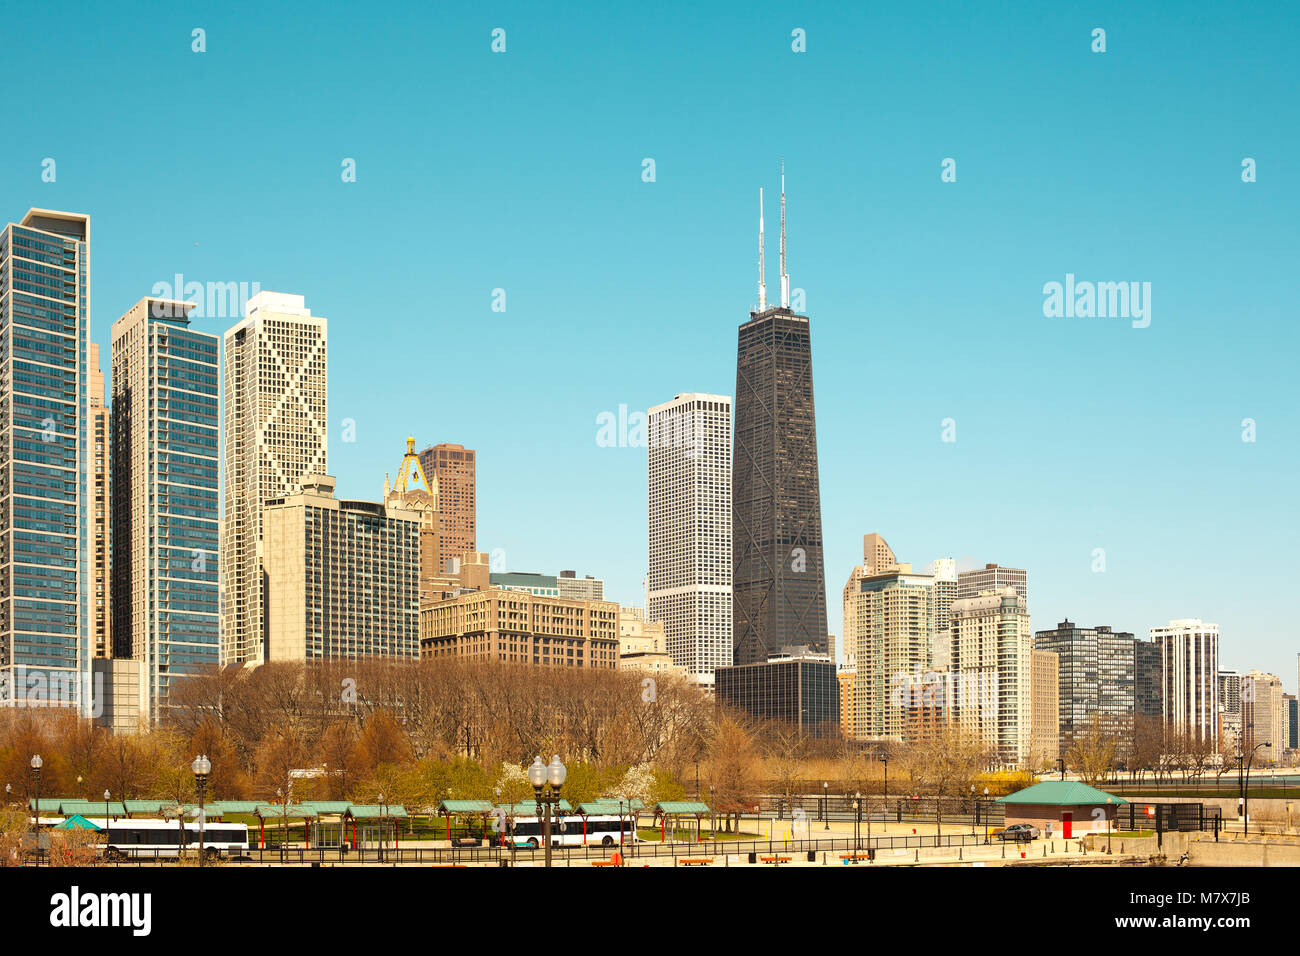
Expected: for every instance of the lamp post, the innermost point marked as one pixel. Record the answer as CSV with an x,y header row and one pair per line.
x,y
108,825
36,764
202,766
974,816
857,822
383,815
713,813
1245,799
826,804
884,758
986,816
539,775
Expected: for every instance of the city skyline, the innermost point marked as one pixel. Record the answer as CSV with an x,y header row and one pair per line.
x,y
1144,450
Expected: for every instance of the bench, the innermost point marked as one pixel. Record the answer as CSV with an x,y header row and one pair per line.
x,y
775,860
855,856
696,861
603,863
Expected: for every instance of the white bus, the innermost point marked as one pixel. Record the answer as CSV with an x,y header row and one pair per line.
x,y
573,830
162,838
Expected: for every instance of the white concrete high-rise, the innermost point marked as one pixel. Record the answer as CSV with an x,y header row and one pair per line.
x,y
689,583
992,668
1189,672
276,432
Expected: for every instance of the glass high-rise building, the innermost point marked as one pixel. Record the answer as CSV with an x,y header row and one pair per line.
x,y
1096,677
164,490
778,576
46,461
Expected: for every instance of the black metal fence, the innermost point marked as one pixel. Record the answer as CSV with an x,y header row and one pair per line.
x,y
718,851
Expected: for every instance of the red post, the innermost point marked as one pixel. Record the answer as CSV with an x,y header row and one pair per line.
x,y
449,829
261,834
396,832
306,833
663,829
584,830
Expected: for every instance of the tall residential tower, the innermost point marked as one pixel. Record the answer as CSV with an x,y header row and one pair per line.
x,y
164,490
46,455
276,432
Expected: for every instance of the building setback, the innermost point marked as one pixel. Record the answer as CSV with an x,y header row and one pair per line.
x,y
342,577
276,432
165,492
46,494
778,575
688,586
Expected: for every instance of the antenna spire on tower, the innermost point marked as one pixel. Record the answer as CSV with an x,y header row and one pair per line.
x,y
785,276
762,284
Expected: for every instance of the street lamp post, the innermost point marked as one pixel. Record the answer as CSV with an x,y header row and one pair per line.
x,y
539,775
383,829
202,766
36,764
986,816
713,813
1245,799
108,825
826,804
975,807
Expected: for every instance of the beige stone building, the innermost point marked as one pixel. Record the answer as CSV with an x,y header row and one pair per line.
x,y
1045,714
276,431
493,623
342,577
1264,717
992,647
890,628
642,644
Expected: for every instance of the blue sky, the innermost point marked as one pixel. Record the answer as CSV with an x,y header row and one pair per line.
x,y
522,171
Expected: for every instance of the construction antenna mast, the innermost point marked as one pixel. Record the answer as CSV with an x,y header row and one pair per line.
x,y
762,284
785,276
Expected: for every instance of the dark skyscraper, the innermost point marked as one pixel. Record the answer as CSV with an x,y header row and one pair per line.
x,y
778,579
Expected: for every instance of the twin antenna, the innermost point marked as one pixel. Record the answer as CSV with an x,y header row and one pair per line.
x,y
785,277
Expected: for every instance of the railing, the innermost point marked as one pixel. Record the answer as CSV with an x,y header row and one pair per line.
x,y
566,855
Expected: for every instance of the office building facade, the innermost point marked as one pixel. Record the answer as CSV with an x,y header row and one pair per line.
x,y
992,577
580,589
798,689
519,627
1097,678
452,472
276,432
342,577
165,490
689,485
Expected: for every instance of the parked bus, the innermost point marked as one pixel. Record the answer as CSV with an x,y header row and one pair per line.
x,y
574,830
162,838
